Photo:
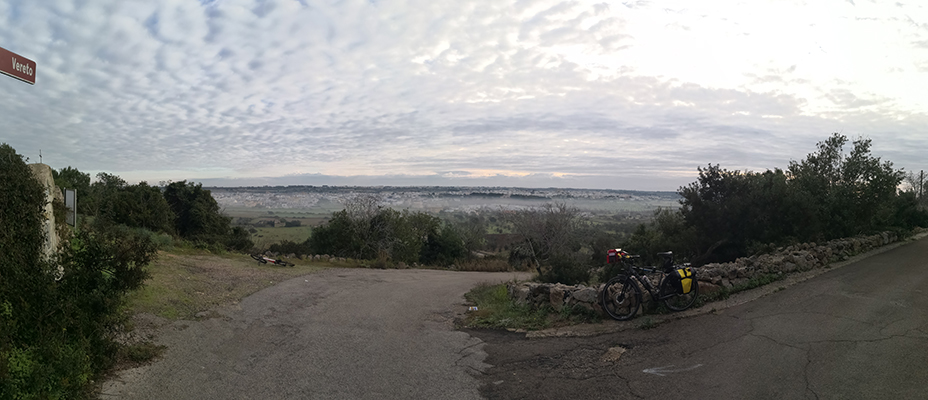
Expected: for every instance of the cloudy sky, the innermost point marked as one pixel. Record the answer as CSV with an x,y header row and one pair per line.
x,y
532,93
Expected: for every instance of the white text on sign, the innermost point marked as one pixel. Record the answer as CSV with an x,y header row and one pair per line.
x,y
22,67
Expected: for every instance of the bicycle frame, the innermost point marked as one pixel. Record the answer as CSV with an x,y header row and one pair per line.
x,y
635,272
655,292
621,295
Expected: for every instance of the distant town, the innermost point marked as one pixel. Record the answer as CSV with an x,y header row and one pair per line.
x,y
440,199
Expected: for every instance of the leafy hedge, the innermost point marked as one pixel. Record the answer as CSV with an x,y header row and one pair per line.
x,y
56,335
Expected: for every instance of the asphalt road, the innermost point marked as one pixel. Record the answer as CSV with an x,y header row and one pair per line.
x,y
338,334
858,332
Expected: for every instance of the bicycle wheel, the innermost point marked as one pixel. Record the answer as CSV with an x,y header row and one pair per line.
x,y
677,301
621,298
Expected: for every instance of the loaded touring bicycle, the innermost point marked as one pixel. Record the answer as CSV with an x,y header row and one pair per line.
x,y
621,296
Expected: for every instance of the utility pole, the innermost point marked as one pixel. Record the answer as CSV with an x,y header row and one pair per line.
x,y
921,185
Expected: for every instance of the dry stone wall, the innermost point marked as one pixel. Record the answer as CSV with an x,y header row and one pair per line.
x,y
712,277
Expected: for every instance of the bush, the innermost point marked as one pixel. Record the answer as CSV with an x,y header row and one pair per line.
x,y
365,230
56,335
443,247
555,240
239,240
566,269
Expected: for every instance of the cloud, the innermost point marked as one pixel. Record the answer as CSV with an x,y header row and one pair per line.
x,y
573,91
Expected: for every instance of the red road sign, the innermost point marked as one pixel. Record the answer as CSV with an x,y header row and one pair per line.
x,y
17,66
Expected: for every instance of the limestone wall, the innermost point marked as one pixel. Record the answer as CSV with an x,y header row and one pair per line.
x,y
712,277
43,173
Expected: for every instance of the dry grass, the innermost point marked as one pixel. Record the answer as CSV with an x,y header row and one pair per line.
x,y
484,265
183,283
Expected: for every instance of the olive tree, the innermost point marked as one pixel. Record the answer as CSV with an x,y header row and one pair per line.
x,y
555,241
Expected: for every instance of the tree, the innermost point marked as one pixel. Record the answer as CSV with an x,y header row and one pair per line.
x,y
197,214
730,210
667,231
139,206
733,213
828,195
144,206
337,237
554,240
71,178
106,195
854,193
473,232
916,185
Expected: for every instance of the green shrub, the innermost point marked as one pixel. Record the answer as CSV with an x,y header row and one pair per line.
x,y
566,269
365,230
443,247
56,335
162,240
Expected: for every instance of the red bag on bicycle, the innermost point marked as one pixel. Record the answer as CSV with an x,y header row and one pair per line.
x,y
615,255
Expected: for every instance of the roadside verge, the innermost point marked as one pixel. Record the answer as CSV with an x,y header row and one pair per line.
x,y
736,299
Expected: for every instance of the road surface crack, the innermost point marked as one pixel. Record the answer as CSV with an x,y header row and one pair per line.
x,y
627,385
805,351
470,346
778,342
805,374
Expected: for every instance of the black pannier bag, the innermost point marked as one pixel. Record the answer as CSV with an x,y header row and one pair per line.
x,y
681,279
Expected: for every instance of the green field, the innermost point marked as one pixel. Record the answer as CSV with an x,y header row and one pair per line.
x,y
615,215
265,236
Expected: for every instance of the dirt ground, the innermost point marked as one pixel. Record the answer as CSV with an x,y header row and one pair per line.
x,y
193,285
183,285
352,333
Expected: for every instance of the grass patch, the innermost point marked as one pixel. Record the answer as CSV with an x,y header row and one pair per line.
x,y
185,281
140,353
266,236
495,310
648,323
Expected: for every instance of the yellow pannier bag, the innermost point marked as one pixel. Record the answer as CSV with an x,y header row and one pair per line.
x,y
685,276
